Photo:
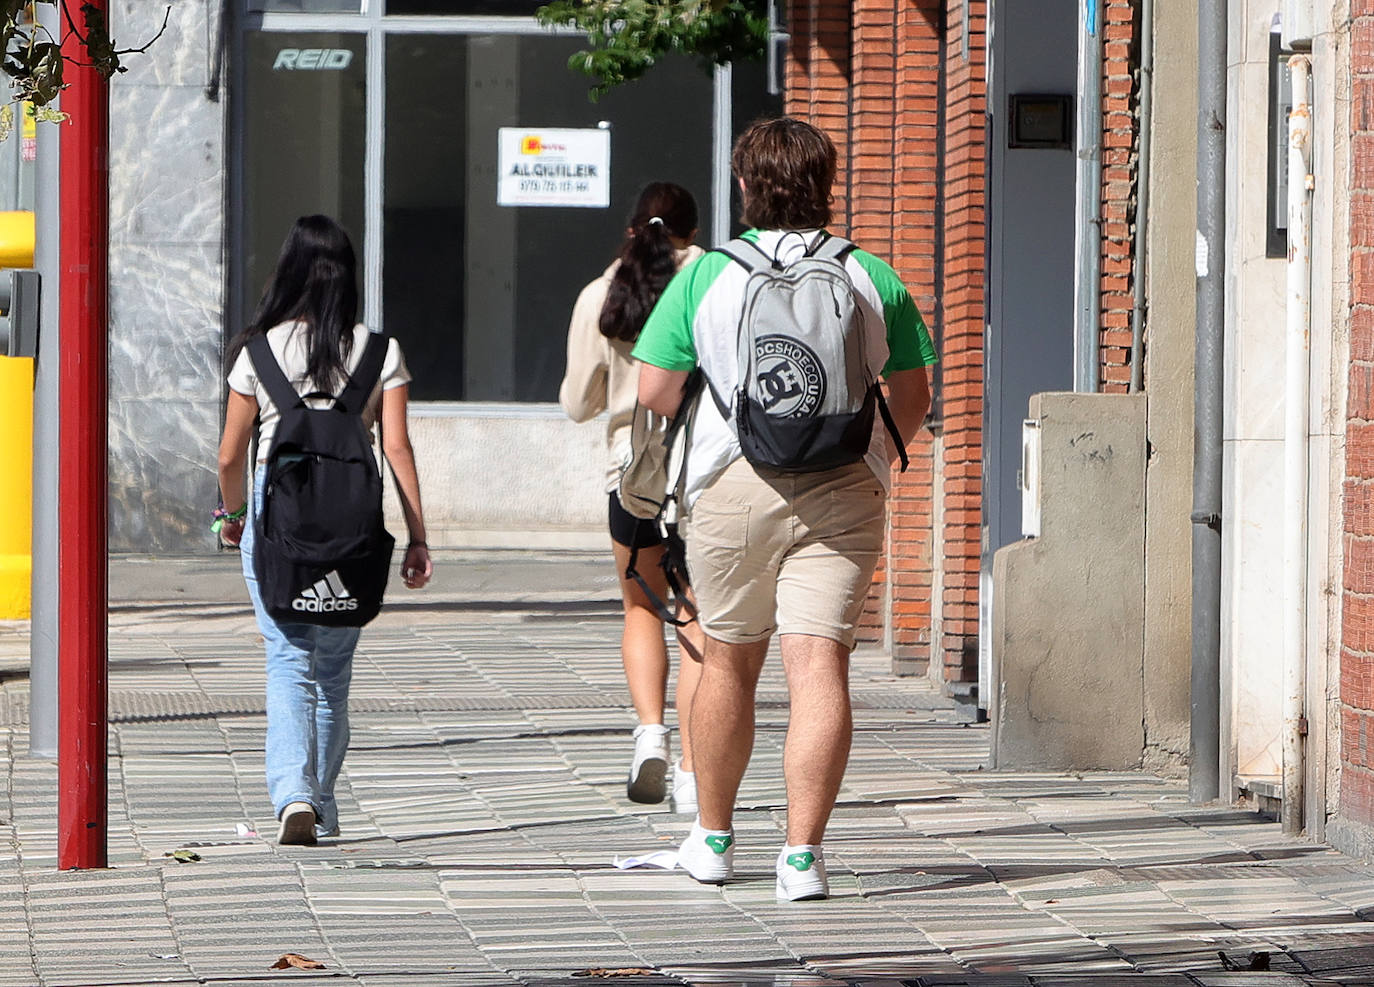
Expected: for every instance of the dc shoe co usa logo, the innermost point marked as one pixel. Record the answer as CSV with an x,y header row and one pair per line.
x,y
790,377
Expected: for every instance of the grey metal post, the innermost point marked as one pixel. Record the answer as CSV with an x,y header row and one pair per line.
x,y
43,636
1142,208
1204,768
1088,212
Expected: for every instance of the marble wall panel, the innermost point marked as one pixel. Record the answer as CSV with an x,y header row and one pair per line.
x,y
184,53
167,175
165,321
166,165
162,474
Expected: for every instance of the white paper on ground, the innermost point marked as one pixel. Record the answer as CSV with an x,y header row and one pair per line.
x,y
667,859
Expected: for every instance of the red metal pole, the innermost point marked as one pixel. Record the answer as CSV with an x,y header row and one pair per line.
x,y
83,642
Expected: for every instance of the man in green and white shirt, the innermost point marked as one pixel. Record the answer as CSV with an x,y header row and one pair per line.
x,y
771,551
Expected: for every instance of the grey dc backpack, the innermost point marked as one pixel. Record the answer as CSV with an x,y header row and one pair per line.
x,y
806,396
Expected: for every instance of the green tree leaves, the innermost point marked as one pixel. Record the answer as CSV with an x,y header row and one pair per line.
x,y
33,59
626,38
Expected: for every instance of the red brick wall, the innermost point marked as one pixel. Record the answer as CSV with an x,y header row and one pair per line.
x,y
1120,154
891,85
868,74
961,342
914,248
1357,604
817,87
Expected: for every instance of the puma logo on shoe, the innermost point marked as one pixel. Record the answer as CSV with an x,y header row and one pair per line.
x,y
719,844
801,861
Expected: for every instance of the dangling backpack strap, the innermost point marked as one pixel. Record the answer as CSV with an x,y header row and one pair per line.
x,y
674,564
891,424
674,559
269,372
659,605
353,398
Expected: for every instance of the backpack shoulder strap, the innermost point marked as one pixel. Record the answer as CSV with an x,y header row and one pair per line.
x,y
748,255
269,372
364,378
835,248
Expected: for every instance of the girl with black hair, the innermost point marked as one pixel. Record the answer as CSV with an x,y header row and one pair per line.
x,y
601,376
308,314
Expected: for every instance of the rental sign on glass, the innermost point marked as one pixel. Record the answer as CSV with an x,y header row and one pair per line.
x,y
554,167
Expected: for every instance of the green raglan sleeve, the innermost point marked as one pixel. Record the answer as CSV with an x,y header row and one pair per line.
x,y
666,340
908,340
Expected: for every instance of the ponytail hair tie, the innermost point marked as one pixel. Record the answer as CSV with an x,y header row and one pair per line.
x,y
656,221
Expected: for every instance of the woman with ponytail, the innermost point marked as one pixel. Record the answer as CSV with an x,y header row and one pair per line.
x,y
308,314
601,376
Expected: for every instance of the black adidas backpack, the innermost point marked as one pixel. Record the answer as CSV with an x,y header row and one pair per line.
x,y
321,549
806,397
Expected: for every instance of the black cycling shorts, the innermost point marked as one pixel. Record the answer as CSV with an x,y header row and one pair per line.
x,y
630,531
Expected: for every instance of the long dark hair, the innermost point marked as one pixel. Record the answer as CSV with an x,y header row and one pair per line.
x,y
647,261
315,282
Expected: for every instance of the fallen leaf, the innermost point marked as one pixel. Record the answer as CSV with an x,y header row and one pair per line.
x,y
298,961
182,856
624,971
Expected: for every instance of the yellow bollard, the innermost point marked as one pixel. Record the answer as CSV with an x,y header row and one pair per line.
x,y
16,486
16,239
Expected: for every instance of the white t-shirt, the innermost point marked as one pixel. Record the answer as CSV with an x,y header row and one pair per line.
x,y
288,342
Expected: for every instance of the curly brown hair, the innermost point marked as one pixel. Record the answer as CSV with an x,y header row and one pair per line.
x,y
787,167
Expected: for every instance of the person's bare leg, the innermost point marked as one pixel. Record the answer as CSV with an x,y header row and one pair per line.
x,y
819,732
642,648
691,641
723,726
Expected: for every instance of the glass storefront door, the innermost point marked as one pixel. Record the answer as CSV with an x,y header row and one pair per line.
x,y
480,292
306,135
477,292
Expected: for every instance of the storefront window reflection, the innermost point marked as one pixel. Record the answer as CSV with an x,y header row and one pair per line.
x,y
508,8
304,106
306,6
481,292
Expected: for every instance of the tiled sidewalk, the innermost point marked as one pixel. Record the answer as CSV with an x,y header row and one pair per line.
x,y
483,802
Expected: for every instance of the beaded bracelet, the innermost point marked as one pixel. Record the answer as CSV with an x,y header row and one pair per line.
x,y
220,516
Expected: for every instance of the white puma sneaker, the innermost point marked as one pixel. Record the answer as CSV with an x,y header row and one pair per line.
x,y
648,781
801,874
708,855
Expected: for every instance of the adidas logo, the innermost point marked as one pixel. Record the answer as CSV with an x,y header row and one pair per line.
x,y
328,595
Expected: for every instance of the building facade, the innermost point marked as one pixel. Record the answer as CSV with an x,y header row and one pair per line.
x,y
391,118
1030,170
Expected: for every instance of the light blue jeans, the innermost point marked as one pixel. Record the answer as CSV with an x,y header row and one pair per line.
x,y
308,672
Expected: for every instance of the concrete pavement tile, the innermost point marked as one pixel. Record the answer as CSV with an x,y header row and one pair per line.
x,y
1248,980
483,799
435,979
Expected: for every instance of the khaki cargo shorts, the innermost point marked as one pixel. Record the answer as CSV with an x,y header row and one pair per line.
x,y
792,553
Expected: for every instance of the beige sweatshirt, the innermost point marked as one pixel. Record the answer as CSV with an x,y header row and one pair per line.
x,y
601,376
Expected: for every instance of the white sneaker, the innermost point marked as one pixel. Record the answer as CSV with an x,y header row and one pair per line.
x,y
297,825
801,874
684,790
708,855
649,770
